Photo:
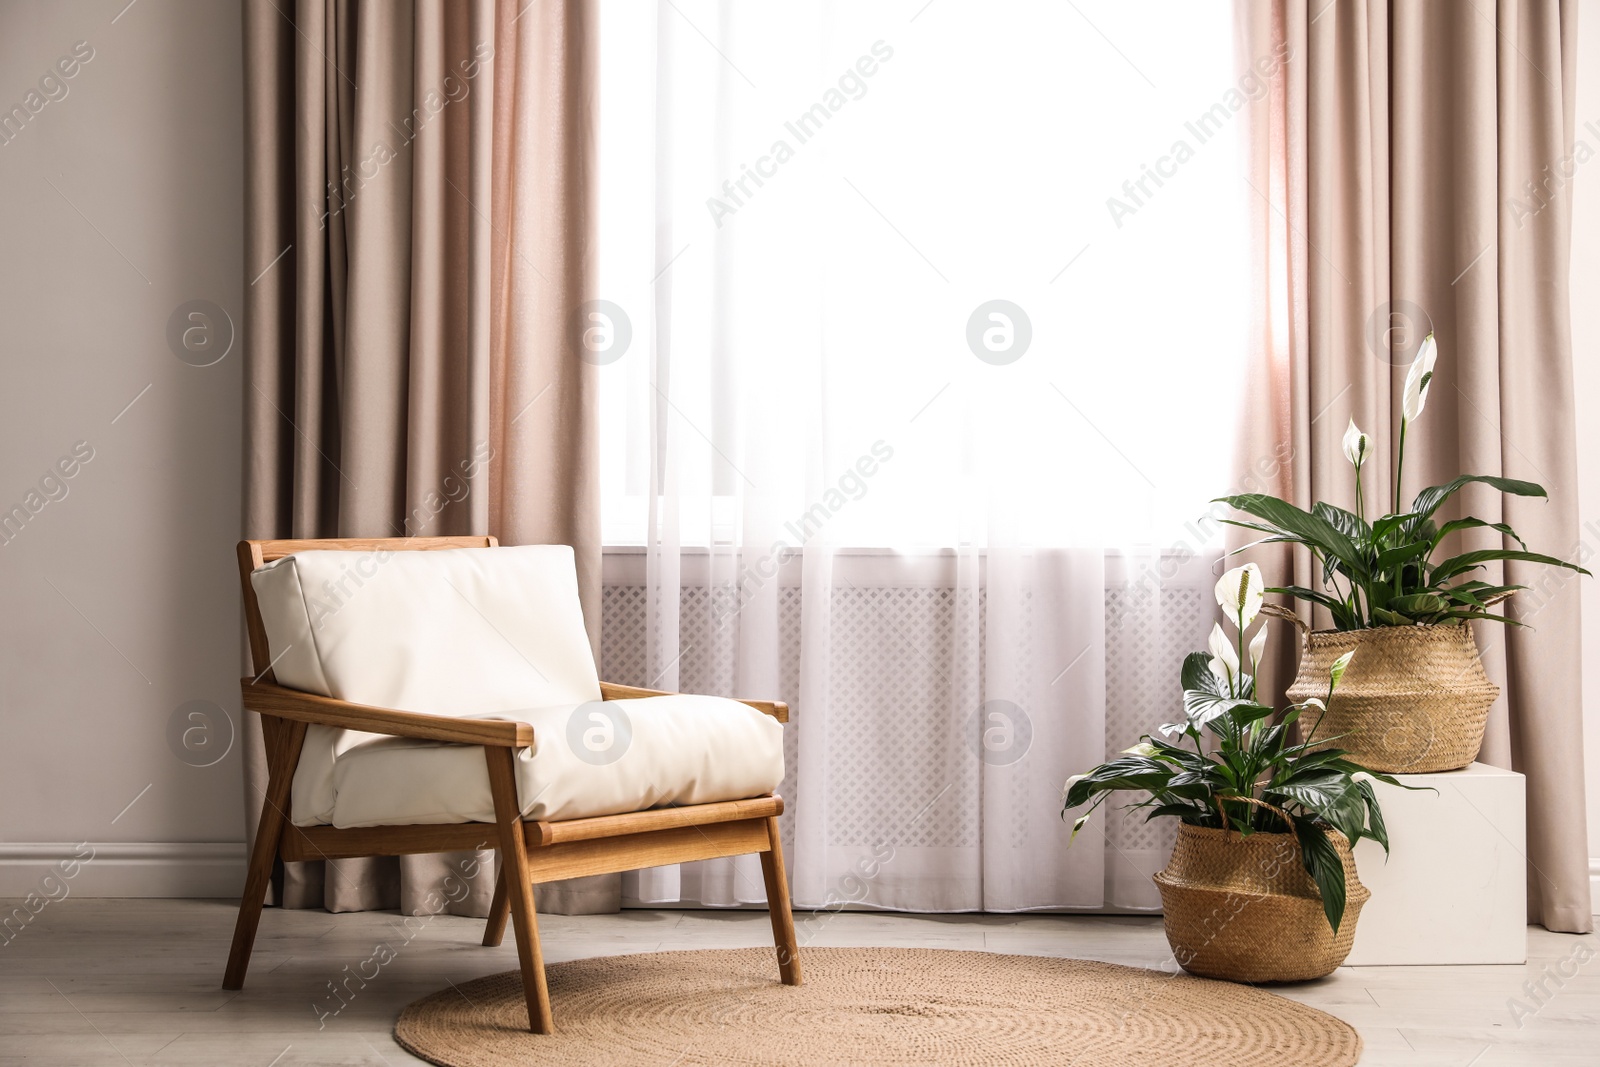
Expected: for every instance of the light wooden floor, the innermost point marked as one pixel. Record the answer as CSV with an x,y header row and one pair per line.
x,y
94,982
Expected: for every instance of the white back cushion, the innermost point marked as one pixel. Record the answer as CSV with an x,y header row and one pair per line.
x,y
468,632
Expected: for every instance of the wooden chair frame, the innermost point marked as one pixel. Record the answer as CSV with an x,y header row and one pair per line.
x,y
529,851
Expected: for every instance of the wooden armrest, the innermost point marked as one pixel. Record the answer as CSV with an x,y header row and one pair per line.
x,y
612,691
268,699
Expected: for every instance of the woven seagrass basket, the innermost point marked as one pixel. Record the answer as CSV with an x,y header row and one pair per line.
x,y
1414,699
1244,909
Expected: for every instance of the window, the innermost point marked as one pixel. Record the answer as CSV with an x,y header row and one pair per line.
x,y
898,275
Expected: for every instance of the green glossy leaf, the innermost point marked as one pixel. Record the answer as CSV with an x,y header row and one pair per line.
x,y
1309,528
1197,675
1391,558
1349,813
1304,762
1196,785
1462,597
1330,567
1246,713
1483,589
1389,524
1269,746
1375,826
1430,499
1337,608
1202,708
1127,772
1352,768
1311,784
1323,864
1187,812
1224,728
1353,527
1328,794
1417,604
1300,592
1471,560
1474,614
1470,523
1183,757
1386,779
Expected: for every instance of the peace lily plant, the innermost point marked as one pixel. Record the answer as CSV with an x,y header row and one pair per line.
x,y
1248,775
1382,573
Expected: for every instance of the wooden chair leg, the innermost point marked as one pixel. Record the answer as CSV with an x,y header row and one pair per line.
x,y
777,880
269,832
519,890
499,909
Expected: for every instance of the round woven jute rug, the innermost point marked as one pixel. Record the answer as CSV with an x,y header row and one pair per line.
x,y
872,1006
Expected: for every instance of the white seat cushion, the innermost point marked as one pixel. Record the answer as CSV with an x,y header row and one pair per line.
x,y
482,633
639,754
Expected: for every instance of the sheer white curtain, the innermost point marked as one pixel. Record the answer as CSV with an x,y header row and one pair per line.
x,y
920,333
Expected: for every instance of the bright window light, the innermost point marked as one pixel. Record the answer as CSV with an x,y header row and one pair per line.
x,y
1003,243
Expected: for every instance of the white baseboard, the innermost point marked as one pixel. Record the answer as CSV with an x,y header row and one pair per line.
x,y
123,869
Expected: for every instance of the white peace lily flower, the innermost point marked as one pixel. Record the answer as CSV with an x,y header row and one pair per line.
x,y
1068,787
1355,445
1336,672
1219,671
1143,748
1240,593
1258,645
1419,378
1224,657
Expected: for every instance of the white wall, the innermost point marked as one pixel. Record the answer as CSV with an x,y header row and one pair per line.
x,y
121,201
1586,389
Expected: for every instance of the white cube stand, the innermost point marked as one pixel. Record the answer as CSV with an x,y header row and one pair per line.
x,y
1454,889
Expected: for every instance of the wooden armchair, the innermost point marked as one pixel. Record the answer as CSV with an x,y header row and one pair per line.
x,y
530,850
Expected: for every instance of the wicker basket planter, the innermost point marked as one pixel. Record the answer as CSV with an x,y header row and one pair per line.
x,y
1244,909
1415,699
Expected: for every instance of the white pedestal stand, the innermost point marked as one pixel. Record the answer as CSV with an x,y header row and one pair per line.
x,y
1455,887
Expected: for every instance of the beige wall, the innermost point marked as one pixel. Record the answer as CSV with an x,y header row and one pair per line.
x,y
1586,386
122,201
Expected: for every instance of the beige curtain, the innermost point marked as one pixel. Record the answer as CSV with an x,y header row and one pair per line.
x,y
1406,177
417,210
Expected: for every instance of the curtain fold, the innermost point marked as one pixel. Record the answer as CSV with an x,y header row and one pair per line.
x,y
416,213
1407,172
544,486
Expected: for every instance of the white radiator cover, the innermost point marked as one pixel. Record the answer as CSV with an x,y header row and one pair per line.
x,y
885,605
